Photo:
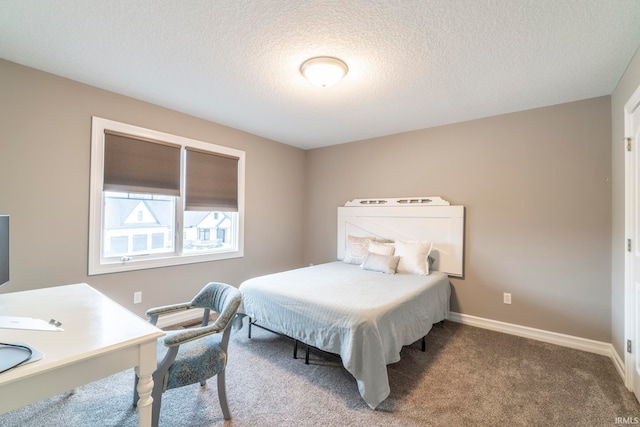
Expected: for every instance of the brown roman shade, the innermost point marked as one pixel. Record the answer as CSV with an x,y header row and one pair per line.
x,y
211,181
137,165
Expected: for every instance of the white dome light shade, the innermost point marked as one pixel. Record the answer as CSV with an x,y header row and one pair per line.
x,y
323,71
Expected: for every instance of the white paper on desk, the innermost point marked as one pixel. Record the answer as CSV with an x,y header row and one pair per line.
x,y
13,322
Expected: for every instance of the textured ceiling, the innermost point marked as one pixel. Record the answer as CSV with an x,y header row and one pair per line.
x,y
412,64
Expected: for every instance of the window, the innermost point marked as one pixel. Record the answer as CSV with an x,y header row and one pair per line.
x,y
159,199
204,233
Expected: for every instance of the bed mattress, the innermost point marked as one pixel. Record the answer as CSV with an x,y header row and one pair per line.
x,y
366,317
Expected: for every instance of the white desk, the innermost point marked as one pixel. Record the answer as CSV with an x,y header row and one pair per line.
x,y
100,338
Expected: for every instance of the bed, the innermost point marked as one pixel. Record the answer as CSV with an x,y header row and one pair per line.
x,y
360,309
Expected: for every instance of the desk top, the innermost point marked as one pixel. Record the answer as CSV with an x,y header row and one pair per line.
x,y
93,324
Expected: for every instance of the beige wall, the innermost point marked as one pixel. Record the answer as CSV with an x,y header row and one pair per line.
x,y
536,186
627,85
45,124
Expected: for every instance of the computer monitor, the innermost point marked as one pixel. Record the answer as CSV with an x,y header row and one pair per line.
x,y
4,249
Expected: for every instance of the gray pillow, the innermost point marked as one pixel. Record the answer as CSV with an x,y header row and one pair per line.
x,y
382,263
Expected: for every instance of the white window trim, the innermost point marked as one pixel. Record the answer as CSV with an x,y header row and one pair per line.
x,y
96,266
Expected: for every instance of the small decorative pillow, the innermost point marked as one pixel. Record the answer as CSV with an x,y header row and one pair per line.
x,y
382,263
413,256
381,248
357,249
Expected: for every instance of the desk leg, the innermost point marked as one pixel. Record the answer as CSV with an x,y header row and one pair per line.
x,y
144,371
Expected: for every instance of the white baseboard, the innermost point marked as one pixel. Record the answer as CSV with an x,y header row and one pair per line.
x,y
619,364
190,315
584,344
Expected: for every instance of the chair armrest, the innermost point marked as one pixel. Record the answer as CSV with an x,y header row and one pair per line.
x,y
153,313
190,335
166,309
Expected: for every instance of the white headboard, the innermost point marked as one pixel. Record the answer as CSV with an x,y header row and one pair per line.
x,y
411,218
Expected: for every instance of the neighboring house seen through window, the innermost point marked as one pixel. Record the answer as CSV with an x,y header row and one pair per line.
x,y
159,199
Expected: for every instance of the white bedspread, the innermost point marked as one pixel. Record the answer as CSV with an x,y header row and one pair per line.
x,y
365,317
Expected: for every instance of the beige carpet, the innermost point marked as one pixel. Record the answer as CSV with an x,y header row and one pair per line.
x,y
467,377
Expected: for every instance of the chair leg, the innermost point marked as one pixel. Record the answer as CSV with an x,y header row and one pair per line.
x,y
222,395
155,406
136,397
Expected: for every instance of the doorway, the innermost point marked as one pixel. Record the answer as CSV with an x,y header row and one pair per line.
x,y
632,226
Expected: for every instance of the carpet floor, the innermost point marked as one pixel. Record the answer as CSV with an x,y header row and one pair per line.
x,y
467,377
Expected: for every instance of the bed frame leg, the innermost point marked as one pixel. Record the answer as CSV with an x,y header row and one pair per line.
x,y
424,345
295,352
249,327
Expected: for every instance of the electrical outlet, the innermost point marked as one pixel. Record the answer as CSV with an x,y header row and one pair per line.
x,y
137,297
507,298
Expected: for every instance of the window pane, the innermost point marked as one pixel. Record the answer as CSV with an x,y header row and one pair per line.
x,y
136,224
209,231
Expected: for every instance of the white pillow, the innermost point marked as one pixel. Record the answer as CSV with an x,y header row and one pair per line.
x,y
356,249
382,263
381,248
413,256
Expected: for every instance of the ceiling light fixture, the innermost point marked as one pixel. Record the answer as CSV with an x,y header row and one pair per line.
x,y
324,71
